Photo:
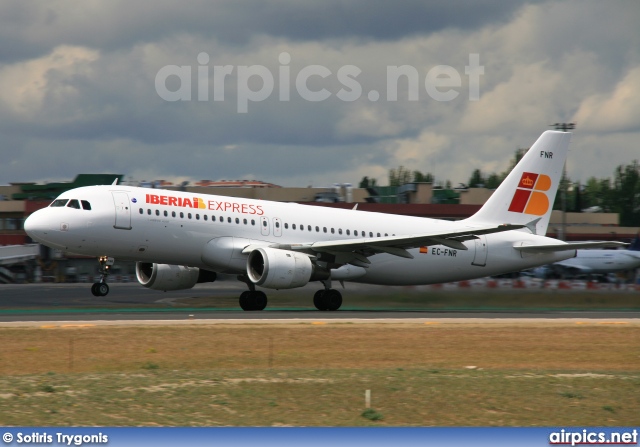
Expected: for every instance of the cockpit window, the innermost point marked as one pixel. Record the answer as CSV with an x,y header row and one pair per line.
x,y
85,205
73,203
59,202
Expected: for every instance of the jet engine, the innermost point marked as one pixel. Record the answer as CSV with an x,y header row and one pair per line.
x,y
171,277
273,268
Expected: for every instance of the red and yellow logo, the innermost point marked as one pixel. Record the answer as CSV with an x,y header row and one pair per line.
x,y
528,198
156,199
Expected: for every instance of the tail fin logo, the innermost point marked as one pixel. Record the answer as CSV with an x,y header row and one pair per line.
x,y
530,197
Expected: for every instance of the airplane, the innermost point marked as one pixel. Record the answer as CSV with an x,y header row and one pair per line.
x,y
595,262
179,239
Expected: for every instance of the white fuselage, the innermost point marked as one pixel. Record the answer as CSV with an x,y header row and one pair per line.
x,y
209,232
602,261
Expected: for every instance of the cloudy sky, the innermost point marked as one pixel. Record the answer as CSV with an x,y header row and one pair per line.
x,y
91,87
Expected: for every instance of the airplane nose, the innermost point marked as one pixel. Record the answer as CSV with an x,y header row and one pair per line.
x,y
36,225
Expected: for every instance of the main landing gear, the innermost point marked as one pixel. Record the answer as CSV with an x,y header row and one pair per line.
x,y
252,299
327,299
101,288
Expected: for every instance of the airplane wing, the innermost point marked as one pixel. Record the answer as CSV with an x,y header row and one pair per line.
x,y
568,246
356,251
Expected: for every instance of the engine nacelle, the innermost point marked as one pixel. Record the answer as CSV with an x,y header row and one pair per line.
x,y
171,277
282,269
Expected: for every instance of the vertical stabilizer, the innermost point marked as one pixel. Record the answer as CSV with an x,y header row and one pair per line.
x,y
526,196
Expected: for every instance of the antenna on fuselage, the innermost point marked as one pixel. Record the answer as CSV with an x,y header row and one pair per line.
x,y
115,182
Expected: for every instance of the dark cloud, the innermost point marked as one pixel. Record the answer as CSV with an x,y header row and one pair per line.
x,y
79,95
30,29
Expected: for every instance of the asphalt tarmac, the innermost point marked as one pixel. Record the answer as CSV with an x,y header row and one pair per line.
x,y
127,302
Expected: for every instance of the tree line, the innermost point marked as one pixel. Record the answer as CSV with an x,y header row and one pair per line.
x,y
619,194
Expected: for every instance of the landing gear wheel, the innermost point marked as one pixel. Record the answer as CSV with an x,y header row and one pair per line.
x,y
253,300
333,299
330,300
245,302
100,289
260,300
319,301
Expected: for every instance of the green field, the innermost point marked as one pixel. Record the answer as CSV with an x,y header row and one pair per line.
x,y
453,374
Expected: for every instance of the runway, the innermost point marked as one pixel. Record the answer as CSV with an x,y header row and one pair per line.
x,y
132,303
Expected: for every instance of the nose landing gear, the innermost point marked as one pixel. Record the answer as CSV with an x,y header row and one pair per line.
x,y
101,288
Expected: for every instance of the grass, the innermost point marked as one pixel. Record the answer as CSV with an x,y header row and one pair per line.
x,y
316,375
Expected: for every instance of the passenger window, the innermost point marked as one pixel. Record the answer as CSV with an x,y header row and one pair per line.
x,y
149,212
348,233
197,216
317,229
355,232
309,227
237,220
244,221
59,202
157,212
73,204
166,214
370,234
189,215
264,223
253,222
339,230
85,205
141,211
229,219
378,234
213,218
277,224
332,231
293,226
205,217
324,229
173,214
181,215
286,226
221,219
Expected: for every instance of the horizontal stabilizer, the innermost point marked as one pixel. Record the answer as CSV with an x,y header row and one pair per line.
x,y
548,248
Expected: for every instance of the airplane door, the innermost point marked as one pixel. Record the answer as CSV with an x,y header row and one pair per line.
x,y
123,210
480,257
264,226
277,227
